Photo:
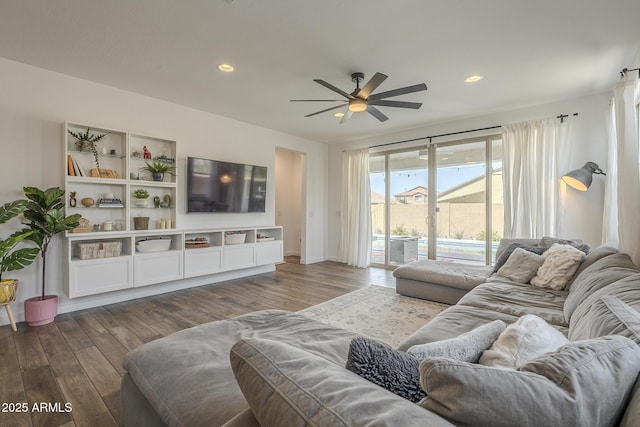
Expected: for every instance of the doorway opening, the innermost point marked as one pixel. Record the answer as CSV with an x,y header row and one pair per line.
x,y
290,174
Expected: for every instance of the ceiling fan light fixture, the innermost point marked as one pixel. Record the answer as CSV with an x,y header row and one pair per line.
x,y
473,79
357,105
227,68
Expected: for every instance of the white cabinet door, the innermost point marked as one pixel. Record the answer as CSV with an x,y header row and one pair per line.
x,y
198,262
238,256
89,277
269,252
157,267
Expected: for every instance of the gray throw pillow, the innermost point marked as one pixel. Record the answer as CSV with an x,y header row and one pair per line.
x,y
387,367
521,266
504,256
467,347
583,383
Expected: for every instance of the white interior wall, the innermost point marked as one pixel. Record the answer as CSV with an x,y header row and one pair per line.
x,y
581,211
289,181
34,103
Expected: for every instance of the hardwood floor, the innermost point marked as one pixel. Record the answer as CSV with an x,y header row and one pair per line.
x,y
77,360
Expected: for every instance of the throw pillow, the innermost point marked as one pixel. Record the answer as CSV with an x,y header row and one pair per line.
x,y
560,264
467,347
584,383
548,242
521,266
529,337
607,316
504,256
385,366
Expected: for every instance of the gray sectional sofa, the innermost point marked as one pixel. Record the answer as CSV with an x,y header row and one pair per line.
x,y
276,368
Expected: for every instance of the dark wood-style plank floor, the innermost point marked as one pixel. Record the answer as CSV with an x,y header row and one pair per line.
x,y
77,360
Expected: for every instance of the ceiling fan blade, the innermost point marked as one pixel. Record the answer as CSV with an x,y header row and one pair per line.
x,y
333,88
377,113
346,116
328,109
399,104
396,92
316,100
371,85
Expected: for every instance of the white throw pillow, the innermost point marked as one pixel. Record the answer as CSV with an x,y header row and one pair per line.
x,y
521,266
522,341
560,264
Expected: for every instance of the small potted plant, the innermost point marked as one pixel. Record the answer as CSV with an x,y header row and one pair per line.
x,y
44,215
158,169
141,195
88,141
13,258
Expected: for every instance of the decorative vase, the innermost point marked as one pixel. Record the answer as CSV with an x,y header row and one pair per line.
x,y
38,311
140,203
157,176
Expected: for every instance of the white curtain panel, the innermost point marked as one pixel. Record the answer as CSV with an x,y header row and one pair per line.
x,y
622,193
533,160
355,241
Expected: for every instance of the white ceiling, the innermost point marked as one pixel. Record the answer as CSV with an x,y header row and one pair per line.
x,y
529,52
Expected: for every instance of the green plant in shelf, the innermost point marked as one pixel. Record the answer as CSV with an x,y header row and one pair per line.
x,y
158,167
140,193
88,141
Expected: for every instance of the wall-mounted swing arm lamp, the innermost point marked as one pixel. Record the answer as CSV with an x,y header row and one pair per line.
x,y
580,179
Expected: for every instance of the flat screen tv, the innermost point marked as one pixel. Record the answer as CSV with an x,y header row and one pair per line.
x,y
215,186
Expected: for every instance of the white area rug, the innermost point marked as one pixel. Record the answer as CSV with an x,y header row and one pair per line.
x,y
376,312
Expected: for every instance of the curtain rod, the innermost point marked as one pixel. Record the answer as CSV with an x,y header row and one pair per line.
x,y
435,136
625,71
561,117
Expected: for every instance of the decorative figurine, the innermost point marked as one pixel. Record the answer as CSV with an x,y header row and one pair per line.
x,y
72,199
156,201
147,154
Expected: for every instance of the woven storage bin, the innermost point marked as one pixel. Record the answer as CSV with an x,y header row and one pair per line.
x,y
141,223
98,250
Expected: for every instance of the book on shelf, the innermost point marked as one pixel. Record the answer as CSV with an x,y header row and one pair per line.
x,y
70,170
77,169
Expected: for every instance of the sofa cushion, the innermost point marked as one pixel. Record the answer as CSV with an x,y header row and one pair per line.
x,y
509,250
560,264
584,383
523,341
180,373
467,347
444,273
626,289
601,273
521,266
518,300
287,386
607,316
391,369
593,256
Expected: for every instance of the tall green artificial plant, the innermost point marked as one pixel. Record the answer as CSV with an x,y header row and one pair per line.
x,y
44,214
12,259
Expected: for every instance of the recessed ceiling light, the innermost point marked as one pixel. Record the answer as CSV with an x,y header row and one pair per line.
x,y
339,114
226,68
473,79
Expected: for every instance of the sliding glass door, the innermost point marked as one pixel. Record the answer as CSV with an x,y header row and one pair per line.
x,y
437,202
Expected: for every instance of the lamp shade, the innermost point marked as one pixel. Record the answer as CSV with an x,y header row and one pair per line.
x,y
581,179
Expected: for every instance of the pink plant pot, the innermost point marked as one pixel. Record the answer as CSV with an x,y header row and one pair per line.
x,y
38,312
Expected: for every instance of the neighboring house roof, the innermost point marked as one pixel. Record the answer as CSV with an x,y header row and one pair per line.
x,y
473,191
416,190
377,198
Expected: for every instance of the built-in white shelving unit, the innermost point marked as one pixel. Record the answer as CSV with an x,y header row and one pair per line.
x,y
107,255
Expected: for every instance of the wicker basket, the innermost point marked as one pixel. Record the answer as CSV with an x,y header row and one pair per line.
x,y
141,223
98,250
8,290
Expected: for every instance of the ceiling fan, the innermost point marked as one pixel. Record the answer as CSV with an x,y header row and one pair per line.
x,y
362,99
